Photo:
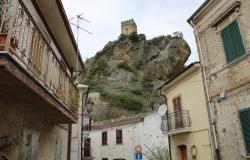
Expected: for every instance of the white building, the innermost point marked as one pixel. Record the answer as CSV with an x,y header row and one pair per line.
x,y
117,139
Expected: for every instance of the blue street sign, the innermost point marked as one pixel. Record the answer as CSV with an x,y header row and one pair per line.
x,y
138,156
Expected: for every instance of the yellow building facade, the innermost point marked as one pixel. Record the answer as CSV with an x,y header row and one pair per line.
x,y
186,122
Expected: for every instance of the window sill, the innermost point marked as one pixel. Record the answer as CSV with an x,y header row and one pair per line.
x,y
119,143
230,64
104,145
246,156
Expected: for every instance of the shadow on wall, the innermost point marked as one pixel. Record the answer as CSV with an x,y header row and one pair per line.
x,y
3,158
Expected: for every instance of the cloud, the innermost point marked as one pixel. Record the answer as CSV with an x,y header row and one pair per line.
x,y
153,18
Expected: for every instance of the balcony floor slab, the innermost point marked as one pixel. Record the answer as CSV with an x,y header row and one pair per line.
x,y
19,87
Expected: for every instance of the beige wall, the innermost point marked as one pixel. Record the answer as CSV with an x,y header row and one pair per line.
x,y
193,99
234,78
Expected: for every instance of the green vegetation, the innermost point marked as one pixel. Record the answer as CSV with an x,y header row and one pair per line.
x,y
146,82
134,79
124,65
98,66
74,100
134,37
128,102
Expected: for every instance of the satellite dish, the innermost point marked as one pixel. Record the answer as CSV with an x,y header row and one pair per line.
x,y
162,110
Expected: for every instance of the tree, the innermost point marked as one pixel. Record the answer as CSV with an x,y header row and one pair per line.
x,y
157,153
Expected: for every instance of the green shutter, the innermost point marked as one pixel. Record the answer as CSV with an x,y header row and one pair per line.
x,y
232,42
237,40
228,44
245,124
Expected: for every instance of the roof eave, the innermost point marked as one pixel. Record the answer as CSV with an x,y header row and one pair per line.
x,y
190,19
176,76
70,32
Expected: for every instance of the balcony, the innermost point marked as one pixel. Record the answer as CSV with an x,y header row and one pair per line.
x,y
176,123
30,59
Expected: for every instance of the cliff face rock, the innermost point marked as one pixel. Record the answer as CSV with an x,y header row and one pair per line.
x,y
126,71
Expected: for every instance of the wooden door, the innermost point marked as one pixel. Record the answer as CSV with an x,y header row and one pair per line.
x,y
87,147
178,112
30,144
58,149
183,152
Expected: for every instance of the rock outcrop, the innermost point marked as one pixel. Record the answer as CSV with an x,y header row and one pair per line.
x,y
126,72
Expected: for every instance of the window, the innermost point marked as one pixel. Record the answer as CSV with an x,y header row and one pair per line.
x,y
105,159
245,125
177,104
232,42
118,136
87,148
104,138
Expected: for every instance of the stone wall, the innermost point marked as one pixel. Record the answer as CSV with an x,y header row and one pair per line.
x,y
231,78
128,27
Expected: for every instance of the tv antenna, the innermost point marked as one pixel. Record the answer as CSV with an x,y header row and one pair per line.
x,y
78,28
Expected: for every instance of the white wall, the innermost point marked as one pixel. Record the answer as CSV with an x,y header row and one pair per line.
x,y
145,133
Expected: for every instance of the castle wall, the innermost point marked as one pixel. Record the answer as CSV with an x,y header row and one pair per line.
x,y
128,27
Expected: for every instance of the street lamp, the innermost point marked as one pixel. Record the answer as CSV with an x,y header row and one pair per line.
x,y
87,107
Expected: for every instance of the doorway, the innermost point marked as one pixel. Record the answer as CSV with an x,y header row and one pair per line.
x,y
87,147
183,152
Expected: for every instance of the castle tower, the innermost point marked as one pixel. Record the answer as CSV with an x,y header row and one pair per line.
x,y
128,27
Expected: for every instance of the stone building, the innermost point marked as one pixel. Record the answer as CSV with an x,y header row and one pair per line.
x,y
128,27
116,139
186,122
221,29
38,56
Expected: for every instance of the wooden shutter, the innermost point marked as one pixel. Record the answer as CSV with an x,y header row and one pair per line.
x,y
237,40
104,138
245,124
58,149
177,104
232,42
228,44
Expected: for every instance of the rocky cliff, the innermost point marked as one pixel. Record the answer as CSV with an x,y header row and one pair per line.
x,y
126,72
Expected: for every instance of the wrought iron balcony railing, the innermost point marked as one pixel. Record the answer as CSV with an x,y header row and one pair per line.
x,y
22,38
176,123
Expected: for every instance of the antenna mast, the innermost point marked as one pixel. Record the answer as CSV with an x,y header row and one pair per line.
x,y
78,27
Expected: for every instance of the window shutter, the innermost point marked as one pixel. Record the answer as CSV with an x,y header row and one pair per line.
x,y
237,40
245,124
232,41
228,44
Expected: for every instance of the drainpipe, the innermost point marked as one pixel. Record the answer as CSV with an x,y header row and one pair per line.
x,y
84,105
209,105
169,144
69,142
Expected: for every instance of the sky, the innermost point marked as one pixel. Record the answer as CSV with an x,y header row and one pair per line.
x,y
153,18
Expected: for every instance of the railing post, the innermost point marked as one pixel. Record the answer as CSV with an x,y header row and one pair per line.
x,y
11,24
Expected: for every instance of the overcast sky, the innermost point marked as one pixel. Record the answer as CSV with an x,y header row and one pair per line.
x,y
153,18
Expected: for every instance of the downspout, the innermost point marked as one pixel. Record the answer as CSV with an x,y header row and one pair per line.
x,y
69,142
209,105
169,144
84,103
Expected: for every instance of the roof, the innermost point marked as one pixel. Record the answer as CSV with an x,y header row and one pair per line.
x,y
198,10
117,122
179,74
